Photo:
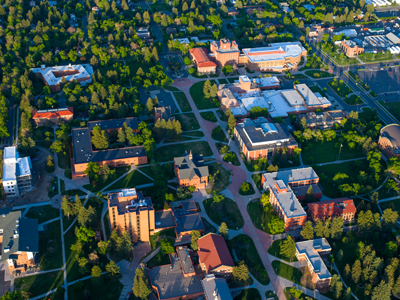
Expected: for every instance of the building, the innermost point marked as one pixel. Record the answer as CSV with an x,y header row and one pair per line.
x,y
393,38
323,120
214,255
232,11
389,140
130,211
215,288
191,170
84,152
52,76
350,33
261,139
52,116
200,58
19,241
342,207
225,52
313,251
350,48
17,177
177,280
143,32
162,112
187,219
286,189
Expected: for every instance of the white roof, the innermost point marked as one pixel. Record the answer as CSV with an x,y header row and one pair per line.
x,y
267,81
393,38
15,166
183,41
278,106
291,49
10,153
251,102
83,71
127,192
310,98
239,110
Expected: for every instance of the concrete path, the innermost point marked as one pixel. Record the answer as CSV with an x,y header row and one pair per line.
x,y
287,283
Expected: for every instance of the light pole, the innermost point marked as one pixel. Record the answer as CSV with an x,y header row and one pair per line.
x,y
340,149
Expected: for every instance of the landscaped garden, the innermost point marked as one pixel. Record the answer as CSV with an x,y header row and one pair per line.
x,y
313,62
219,135
119,171
221,209
246,251
167,153
353,100
197,93
231,157
37,285
182,102
264,217
220,177
246,189
340,88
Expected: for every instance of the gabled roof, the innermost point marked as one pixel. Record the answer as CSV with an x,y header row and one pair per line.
x,y
52,113
201,57
331,208
213,252
190,165
19,234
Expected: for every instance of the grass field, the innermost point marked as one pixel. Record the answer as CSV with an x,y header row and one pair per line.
x,y
109,289
196,91
222,179
167,169
209,116
302,297
107,224
182,102
276,248
219,135
249,192
224,211
353,100
37,285
133,179
287,271
340,88
248,294
318,74
194,133
50,247
223,81
64,160
158,260
188,121
261,216
119,171
43,213
167,153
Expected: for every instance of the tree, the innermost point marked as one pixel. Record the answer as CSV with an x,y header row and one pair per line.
x,y
195,234
223,230
85,234
20,295
100,138
389,218
231,122
167,246
50,167
96,275
347,271
150,106
356,271
241,272
121,136
185,7
265,198
347,294
67,206
296,293
141,288
288,248
310,194
113,270
336,228
308,231
207,88
381,292
276,225
319,229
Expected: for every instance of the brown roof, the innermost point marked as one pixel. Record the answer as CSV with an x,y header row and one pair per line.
x,y
52,113
213,252
201,57
331,208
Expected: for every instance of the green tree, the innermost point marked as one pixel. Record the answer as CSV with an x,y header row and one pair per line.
x,y
141,288
207,88
85,234
308,231
67,206
167,246
276,225
231,122
121,136
223,230
288,248
96,275
100,138
113,270
195,235
50,167
356,272
296,293
150,106
241,272
185,7
265,198
20,295
381,292
389,218
319,229
347,294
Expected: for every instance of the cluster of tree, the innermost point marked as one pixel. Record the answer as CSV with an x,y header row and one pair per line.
x,y
281,158
170,129
86,217
210,91
99,174
329,228
50,166
141,287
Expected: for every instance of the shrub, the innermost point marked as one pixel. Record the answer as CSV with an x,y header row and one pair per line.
x,y
192,71
187,61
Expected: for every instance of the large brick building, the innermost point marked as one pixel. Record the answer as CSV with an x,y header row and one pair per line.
x,y
350,48
52,116
341,207
214,255
286,189
225,52
191,170
203,63
130,211
84,153
52,76
19,241
261,139
323,120
389,140
313,251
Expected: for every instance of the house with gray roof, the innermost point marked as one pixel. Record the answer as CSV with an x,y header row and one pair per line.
x,y
19,241
191,170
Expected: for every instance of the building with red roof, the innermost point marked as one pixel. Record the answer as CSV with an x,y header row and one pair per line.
x,y
52,116
341,207
200,57
214,255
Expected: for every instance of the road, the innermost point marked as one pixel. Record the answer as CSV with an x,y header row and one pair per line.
x,y
8,141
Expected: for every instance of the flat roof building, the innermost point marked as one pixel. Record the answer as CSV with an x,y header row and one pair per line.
x,y
286,189
17,177
350,48
389,140
216,288
341,207
261,139
313,251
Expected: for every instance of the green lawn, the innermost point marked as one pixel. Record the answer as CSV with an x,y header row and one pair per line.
x,y
208,226
224,211
119,171
219,135
53,187
107,225
393,204
261,216
172,89
160,7
209,116
319,74
188,121
393,108
257,181
276,248
74,192
248,294
222,116
182,102
167,153
340,88
64,161
231,157
37,285
196,91
167,169
109,289
43,213
194,133
353,100
133,179
287,271
158,260
50,247
249,192
232,80
67,221
223,81
246,250
302,297
323,152
222,179
372,57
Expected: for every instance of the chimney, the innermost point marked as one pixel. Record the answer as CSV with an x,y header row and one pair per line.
x,y
190,155
43,67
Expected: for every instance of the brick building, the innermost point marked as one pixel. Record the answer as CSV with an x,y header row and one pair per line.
x,y
389,140
84,153
52,116
286,189
187,219
162,112
225,52
52,76
350,48
323,120
261,139
199,57
214,255
341,207
191,170
313,251
19,241
130,211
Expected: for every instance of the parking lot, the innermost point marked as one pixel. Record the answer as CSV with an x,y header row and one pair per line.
x,y
382,81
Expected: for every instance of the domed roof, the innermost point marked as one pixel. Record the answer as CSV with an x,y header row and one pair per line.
x,y
392,132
